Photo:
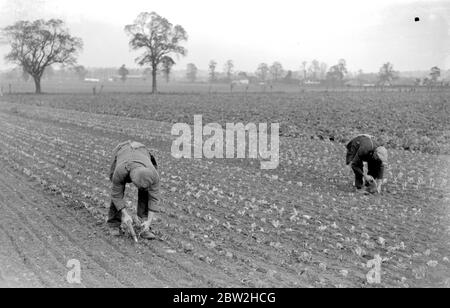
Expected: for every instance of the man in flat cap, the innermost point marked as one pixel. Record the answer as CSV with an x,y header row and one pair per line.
x,y
364,148
133,163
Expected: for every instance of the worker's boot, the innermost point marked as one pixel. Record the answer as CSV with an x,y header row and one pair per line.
x,y
148,235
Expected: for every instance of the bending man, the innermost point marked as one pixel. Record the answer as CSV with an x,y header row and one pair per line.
x,y
364,149
133,163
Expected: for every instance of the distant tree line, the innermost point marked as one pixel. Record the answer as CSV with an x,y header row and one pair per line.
x,y
38,46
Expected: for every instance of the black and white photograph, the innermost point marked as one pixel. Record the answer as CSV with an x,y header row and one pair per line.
x,y
224,150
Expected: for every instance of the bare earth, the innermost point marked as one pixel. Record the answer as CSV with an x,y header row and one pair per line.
x,y
40,233
225,223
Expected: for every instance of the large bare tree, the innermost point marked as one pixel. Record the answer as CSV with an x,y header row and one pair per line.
x,y
36,45
159,39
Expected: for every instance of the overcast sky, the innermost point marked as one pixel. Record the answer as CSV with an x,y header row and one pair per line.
x,y
365,33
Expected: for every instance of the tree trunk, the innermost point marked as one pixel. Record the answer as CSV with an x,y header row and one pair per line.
x,y
154,71
37,83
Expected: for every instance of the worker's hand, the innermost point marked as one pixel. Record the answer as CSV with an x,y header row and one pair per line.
x,y
128,221
126,218
146,225
368,178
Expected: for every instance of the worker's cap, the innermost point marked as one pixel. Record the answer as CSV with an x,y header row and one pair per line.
x,y
382,154
143,177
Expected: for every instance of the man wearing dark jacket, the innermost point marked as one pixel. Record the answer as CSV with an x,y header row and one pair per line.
x,y
133,163
362,149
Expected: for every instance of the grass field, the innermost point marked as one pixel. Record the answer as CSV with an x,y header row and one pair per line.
x,y
226,222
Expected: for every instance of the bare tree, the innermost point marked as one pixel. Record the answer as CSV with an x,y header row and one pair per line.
x,y
304,64
276,70
337,73
123,73
80,71
289,78
343,66
158,37
435,73
314,69
212,70
228,69
386,74
191,72
323,70
37,45
262,71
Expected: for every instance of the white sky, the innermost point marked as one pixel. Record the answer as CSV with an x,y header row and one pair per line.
x,y
366,33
